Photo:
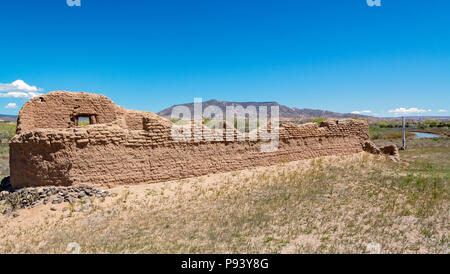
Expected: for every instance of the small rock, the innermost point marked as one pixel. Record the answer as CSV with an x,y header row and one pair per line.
x,y
374,248
5,184
15,214
53,208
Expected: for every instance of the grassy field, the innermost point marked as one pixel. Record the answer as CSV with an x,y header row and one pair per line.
x,y
378,132
389,133
7,131
353,204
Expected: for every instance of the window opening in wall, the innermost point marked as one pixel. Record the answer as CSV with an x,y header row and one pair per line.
x,y
83,121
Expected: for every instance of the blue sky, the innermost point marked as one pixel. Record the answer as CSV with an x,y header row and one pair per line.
x,y
339,55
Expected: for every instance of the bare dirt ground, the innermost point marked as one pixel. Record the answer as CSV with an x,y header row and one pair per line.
x,y
351,204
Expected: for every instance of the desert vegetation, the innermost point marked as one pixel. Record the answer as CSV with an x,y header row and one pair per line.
x,y
427,123
388,133
243,125
392,129
7,131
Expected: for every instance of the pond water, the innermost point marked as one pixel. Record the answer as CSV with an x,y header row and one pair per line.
x,y
421,135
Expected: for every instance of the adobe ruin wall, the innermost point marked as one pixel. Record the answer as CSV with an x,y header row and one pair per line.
x,y
130,147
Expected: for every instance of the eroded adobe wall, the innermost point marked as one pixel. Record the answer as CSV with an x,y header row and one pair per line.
x,y
137,147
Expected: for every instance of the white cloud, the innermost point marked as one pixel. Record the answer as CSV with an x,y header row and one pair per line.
x,y
408,110
19,89
442,110
361,112
11,105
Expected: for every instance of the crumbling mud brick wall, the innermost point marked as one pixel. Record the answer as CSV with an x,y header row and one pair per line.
x,y
123,146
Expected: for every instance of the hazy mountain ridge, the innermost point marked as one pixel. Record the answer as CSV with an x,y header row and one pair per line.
x,y
284,111
8,117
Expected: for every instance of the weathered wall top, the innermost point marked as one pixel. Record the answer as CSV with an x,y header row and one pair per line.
x,y
61,109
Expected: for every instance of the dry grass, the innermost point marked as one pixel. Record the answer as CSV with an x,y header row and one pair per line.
x,y
325,205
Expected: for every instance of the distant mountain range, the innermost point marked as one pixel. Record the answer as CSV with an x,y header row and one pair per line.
x,y
417,118
284,111
287,113
7,117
